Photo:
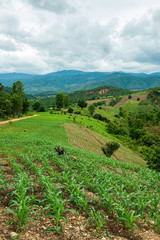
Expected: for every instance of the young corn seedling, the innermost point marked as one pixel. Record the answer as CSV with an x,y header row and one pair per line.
x,y
96,218
20,205
130,219
57,214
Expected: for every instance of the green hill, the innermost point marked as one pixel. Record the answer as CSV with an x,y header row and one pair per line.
x,y
72,80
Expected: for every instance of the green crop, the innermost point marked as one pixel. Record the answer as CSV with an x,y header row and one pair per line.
x,y
21,201
93,184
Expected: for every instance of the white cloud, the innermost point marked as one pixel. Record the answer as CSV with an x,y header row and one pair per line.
x,y
95,35
57,6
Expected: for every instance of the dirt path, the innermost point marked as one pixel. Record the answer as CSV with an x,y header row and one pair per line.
x,y
16,119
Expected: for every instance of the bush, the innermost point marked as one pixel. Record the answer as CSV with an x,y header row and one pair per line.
x,y
110,148
51,111
101,118
77,112
130,96
152,156
70,110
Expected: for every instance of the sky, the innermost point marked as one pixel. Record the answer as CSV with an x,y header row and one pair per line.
x,y
42,36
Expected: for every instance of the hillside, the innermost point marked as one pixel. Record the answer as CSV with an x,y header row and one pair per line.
x,y
97,93
76,195
71,80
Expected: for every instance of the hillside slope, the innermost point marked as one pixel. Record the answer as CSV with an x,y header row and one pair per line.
x,y
76,195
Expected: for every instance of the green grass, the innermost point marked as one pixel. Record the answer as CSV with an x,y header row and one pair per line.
x,y
131,106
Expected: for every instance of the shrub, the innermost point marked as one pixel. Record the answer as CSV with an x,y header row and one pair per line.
x,y
70,110
101,118
130,96
110,147
51,111
77,112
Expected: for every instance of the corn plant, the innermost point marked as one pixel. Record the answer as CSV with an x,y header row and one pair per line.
x,y
20,205
96,218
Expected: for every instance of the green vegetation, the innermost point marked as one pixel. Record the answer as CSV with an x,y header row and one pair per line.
x,y
133,128
91,109
62,101
59,184
70,81
82,104
13,103
110,148
98,93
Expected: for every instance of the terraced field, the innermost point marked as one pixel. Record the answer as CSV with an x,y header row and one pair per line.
x,y
125,100
76,195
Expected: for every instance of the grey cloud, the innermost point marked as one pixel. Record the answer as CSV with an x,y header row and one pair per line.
x,y
8,45
49,42
57,6
9,24
140,39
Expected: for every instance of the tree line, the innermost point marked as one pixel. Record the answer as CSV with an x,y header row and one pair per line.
x,y
140,132
14,103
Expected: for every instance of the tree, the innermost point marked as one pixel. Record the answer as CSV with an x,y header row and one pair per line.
x,y
53,105
110,148
26,105
59,100
7,107
17,97
91,109
66,101
152,156
130,96
36,106
15,103
1,87
70,110
82,104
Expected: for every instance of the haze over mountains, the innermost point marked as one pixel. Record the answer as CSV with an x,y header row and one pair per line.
x,y
72,80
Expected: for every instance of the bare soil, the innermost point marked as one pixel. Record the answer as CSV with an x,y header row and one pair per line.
x,y
15,120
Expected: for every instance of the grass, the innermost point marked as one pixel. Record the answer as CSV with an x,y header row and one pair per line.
x,y
131,106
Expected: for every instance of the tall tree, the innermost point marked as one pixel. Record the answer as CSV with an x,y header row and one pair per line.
x,y
17,94
1,87
91,109
66,101
59,100
26,105
36,106
82,104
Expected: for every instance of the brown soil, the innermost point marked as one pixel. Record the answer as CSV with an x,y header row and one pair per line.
x,y
15,120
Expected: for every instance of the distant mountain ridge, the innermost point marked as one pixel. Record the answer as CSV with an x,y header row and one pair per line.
x,y
72,80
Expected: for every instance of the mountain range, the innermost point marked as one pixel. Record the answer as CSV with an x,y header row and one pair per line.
x,y
68,81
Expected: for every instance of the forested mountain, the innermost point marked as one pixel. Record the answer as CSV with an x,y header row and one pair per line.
x,y
99,92
72,80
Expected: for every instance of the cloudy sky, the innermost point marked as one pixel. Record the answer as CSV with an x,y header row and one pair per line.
x,y
42,36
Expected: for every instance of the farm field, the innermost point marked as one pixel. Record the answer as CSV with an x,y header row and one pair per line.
x,y
76,195
107,101
125,100
88,140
